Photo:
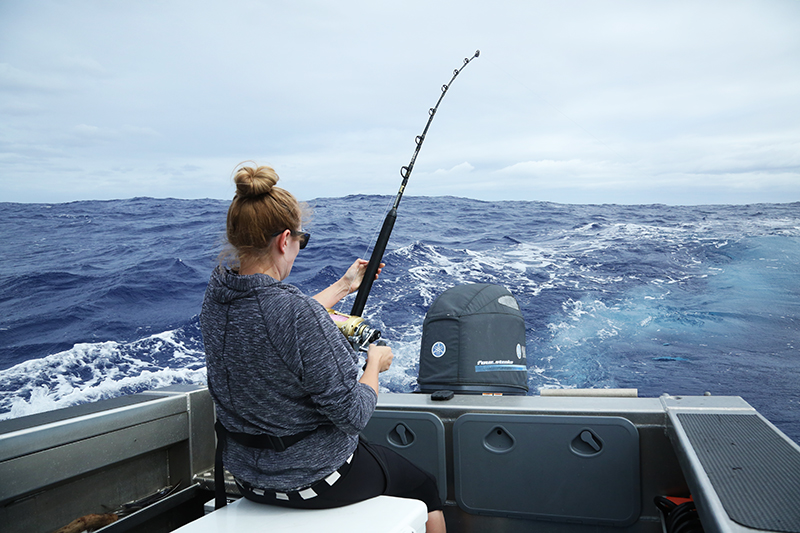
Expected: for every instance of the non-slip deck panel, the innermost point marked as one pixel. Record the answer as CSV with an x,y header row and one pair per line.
x,y
755,472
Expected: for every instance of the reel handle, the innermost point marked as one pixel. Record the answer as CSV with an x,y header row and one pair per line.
x,y
379,342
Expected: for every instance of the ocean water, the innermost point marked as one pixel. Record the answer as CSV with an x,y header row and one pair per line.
x,y
100,299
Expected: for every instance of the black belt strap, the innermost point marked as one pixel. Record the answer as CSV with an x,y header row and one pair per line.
x,y
263,441
220,500
268,442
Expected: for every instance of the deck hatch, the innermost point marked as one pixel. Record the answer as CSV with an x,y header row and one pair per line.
x,y
754,470
416,435
548,467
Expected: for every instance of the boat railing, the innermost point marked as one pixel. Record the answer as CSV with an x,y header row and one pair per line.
x,y
59,466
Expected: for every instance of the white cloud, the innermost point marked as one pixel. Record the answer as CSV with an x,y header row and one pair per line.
x,y
458,170
635,102
546,167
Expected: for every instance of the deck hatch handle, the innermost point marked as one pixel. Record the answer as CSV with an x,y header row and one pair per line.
x,y
499,440
587,443
401,435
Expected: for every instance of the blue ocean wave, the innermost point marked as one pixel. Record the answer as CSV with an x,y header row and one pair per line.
x,y
99,299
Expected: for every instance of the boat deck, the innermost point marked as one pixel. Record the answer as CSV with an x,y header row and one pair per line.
x,y
511,464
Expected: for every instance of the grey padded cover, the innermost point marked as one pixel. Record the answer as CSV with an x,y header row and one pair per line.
x,y
473,341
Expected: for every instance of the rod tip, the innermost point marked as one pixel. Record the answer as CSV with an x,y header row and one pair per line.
x,y
477,53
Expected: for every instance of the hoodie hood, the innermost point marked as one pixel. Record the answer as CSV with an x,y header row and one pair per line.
x,y
226,286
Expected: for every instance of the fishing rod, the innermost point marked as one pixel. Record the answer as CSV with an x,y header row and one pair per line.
x,y
391,216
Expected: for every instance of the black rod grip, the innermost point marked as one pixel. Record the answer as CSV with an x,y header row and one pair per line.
x,y
374,263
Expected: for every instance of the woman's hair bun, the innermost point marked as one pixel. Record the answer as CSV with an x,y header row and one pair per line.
x,y
253,182
259,209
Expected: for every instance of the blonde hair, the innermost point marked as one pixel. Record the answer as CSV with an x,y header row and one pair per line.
x,y
258,210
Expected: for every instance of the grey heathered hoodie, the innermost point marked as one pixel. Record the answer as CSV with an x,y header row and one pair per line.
x,y
277,364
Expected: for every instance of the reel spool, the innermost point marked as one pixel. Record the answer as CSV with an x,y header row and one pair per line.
x,y
355,329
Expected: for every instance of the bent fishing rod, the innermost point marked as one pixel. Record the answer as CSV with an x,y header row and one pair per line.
x,y
391,216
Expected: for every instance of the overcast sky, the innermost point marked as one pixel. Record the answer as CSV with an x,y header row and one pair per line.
x,y
679,102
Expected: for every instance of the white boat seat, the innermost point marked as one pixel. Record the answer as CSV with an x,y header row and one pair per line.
x,y
383,514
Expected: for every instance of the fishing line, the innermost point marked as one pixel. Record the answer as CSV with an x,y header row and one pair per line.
x,y
388,222
354,328
405,171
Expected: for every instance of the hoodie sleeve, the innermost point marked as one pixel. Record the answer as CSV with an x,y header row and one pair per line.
x,y
328,370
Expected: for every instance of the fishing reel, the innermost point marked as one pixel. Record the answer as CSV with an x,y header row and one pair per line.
x,y
358,333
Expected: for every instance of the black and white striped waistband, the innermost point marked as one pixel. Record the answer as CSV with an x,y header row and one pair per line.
x,y
312,491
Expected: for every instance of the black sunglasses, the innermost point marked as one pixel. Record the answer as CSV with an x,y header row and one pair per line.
x,y
304,236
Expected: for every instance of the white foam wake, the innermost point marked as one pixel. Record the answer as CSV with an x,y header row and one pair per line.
x,y
95,371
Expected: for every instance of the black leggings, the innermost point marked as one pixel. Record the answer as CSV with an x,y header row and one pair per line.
x,y
374,470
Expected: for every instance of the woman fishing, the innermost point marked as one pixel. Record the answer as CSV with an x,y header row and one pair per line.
x,y
284,379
